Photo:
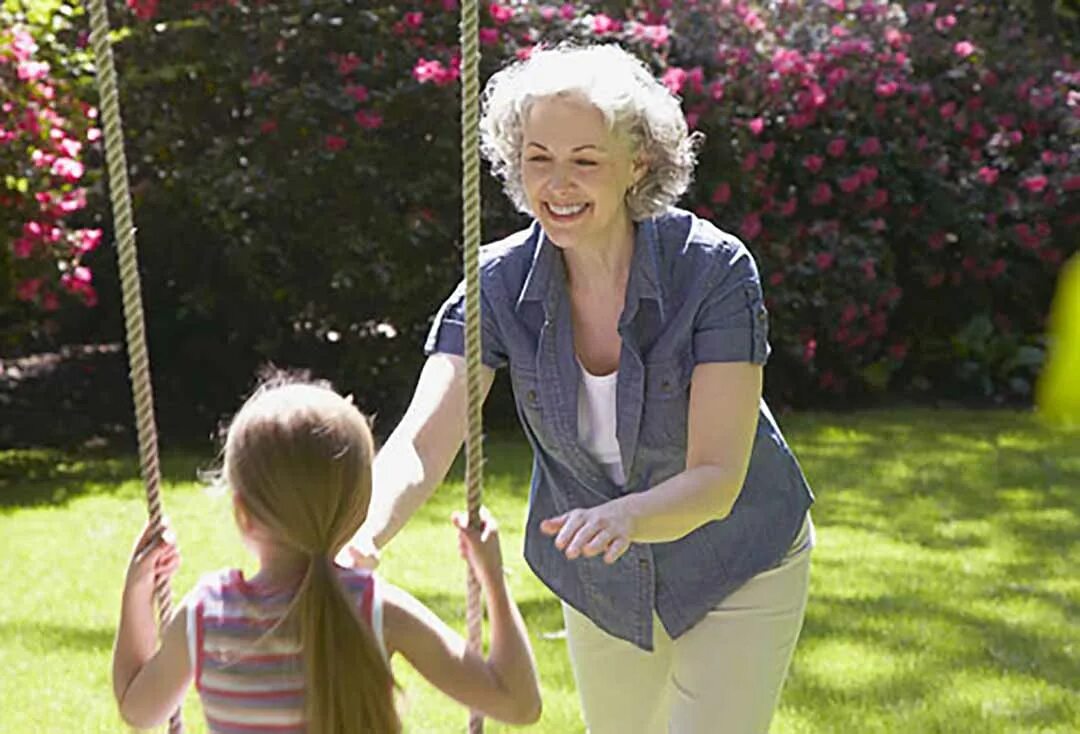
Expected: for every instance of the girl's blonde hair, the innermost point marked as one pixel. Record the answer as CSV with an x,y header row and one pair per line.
x,y
633,103
298,456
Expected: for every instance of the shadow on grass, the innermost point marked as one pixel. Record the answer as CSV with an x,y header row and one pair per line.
x,y
36,477
47,637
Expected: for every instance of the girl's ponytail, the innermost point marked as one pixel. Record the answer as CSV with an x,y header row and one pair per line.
x,y
349,688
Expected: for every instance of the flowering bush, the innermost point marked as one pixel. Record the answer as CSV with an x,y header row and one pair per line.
x,y
44,131
906,174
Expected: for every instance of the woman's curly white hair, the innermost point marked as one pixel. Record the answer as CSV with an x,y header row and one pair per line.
x,y
631,99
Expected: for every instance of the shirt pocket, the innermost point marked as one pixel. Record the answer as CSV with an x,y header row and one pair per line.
x,y
667,402
526,386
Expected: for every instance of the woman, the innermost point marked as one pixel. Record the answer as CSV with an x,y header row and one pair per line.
x,y
666,510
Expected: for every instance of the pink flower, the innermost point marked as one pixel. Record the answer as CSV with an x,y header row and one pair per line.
x,y
1035,184
813,163
824,260
414,19
72,201
567,11
489,36
756,125
602,24
348,63
334,143
868,174
68,169
809,350
878,199
674,79
935,280
22,247
944,23
886,89
722,193
70,148
750,162
849,314
753,22
936,241
368,120
357,92
869,269
988,175
501,13
836,147
751,226
716,91
28,289
433,71
29,71
87,240
23,45
850,184
821,195
776,278
657,35
144,9
837,5
870,147
768,150
1072,183
963,49
93,134
789,207
259,78
268,126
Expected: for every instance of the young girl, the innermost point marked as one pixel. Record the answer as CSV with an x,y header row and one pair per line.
x,y
304,645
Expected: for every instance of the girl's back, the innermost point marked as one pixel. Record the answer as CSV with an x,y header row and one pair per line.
x,y
249,675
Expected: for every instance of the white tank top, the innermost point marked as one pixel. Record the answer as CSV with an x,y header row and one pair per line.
x,y
596,422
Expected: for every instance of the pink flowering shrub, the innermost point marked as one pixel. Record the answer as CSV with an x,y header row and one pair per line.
x,y
45,131
906,174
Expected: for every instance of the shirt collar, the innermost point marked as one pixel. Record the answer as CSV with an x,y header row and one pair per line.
x,y
540,282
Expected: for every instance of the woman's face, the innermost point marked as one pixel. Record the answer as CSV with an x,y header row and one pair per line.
x,y
576,172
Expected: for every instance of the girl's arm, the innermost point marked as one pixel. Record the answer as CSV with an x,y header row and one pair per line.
x,y
149,681
504,685
418,453
723,415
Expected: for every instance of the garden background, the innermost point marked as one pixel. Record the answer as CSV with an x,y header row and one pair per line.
x,y
907,175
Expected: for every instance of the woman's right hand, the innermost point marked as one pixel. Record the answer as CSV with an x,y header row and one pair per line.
x,y
480,546
360,553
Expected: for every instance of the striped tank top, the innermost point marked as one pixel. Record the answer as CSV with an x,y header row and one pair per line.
x,y
245,690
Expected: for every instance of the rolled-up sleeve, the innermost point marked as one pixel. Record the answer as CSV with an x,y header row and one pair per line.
x,y
447,333
732,324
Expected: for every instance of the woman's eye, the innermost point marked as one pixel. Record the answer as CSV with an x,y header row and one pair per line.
x,y
585,162
537,159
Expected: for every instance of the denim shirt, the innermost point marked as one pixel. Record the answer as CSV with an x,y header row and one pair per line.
x,y
693,296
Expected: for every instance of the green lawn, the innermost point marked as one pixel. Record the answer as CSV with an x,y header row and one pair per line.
x,y
945,594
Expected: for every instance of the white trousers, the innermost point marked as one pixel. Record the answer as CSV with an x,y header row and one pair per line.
x,y
723,676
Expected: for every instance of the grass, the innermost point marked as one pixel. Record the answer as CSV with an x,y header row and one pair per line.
x,y
944,592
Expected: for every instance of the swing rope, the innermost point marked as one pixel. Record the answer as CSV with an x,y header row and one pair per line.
x,y
134,322
470,205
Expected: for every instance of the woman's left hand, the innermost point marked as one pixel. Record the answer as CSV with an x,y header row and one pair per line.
x,y
601,529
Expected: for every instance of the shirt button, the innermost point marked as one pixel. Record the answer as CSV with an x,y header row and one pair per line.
x,y
665,385
531,396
